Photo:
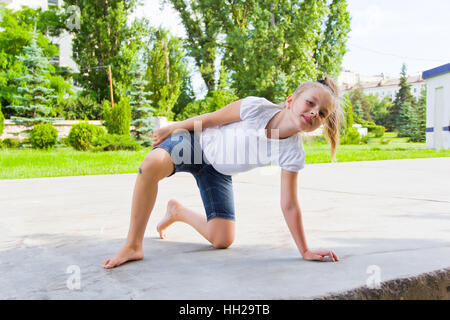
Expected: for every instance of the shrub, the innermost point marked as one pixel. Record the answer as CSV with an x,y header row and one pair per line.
x,y
11,143
379,131
82,107
43,136
64,141
2,121
110,142
82,134
417,136
351,136
365,139
117,120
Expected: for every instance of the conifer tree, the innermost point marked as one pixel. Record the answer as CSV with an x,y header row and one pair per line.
x,y
34,94
141,109
419,119
403,106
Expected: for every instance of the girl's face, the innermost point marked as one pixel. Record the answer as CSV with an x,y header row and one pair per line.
x,y
310,108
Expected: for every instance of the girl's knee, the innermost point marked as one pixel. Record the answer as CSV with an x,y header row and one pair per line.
x,y
222,243
221,233
157,164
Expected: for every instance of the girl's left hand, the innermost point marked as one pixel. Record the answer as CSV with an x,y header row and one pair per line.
x,y
320,255
161,134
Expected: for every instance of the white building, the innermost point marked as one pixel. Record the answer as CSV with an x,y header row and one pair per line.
x,y
438,107
64,41
382,85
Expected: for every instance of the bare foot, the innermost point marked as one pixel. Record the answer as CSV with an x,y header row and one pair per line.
x,y
124,255
170,217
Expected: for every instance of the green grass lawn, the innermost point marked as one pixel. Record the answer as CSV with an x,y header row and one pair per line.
x,y
26,163
397,148
20,164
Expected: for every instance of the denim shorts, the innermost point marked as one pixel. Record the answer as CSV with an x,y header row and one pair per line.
x,y
216,189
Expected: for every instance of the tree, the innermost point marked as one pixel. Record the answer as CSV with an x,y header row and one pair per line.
x,y
18,28
187,96
34,94
273,53
166,70
348,110
381,111
203,24
403,106
63,91
331,47
140,106
269,47
214,100
117,120
419,119
363,105
104,38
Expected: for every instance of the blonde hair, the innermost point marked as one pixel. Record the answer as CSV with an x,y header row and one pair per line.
x,y
332,125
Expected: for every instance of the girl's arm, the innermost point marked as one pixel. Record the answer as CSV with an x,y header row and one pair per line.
x,y
293,217
229,113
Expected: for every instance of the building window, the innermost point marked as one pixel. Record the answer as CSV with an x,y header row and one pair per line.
x,y
52,2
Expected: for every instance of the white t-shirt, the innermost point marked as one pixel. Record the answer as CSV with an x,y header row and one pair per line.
x,y
243,145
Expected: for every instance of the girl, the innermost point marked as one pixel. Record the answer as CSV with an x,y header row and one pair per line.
x,y
200,145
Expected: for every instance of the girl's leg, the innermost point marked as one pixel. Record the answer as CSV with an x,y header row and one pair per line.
x,y
219,232
156,166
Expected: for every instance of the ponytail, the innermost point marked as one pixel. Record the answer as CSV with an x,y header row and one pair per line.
x,y
332,124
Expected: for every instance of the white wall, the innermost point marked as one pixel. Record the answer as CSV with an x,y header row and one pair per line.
x,y
391,91
441,81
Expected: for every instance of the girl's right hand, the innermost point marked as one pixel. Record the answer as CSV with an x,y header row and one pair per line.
x,y
160,135
320,255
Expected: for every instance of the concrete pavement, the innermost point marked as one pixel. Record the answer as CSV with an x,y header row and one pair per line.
x,y
386,220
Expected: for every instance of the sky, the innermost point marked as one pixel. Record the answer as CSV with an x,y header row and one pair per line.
x,y
385,34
